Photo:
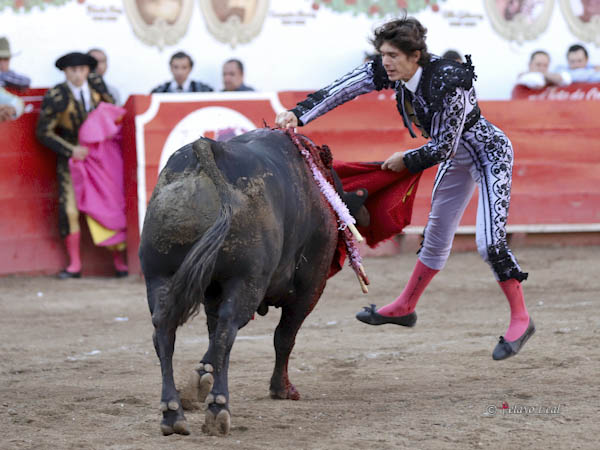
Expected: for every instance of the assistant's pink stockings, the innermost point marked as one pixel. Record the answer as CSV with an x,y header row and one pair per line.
x,y
519,317
422,275
119,261
72,242
406,303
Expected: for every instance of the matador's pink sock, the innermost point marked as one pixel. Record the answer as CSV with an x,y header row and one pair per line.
x,y
519,317
119,261
406,303
72,242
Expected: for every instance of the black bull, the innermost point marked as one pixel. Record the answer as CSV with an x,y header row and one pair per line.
x,y
238,227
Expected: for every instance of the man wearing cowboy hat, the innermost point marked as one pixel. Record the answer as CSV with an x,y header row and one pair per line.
x,y
9,78
64,108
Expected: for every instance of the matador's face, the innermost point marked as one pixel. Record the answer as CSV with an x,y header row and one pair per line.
x,y
397,64
77,75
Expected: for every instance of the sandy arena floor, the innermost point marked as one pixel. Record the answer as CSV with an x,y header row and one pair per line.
x,y
78,369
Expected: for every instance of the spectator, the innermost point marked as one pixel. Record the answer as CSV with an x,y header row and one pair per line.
x,y
591,9
11,106
538,76
370,57
233,76
577,57
101,68
579,69
64,108
10,78
453,55
181,65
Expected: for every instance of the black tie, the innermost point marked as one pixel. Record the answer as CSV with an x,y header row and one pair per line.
x,y
407,121
179,88
82,100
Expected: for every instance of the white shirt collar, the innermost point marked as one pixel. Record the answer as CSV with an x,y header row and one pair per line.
x,y
185,86
75,90
85,88
413,83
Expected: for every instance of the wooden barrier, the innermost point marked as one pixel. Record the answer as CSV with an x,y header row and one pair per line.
x,y
572,92
555,187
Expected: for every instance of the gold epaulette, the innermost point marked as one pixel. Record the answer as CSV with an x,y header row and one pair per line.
x,y
55,100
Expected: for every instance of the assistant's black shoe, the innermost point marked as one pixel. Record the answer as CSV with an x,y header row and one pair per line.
x,y
64,275
370,316
121,273
505,349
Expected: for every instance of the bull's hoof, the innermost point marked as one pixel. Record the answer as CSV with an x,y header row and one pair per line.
x,y
200,384
173,419
291,393
217,421
204,384
179,427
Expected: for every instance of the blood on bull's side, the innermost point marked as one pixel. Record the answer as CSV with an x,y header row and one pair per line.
x,y
235,227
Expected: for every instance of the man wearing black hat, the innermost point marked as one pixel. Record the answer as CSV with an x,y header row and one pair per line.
x,y
64,108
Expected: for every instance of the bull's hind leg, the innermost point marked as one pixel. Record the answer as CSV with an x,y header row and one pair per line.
x,y
292,317
238,302
309,282
164,343
202,379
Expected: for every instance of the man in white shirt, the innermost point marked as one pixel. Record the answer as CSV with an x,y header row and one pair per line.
x,y
539,76
579,68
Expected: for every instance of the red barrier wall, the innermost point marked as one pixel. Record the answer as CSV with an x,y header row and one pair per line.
x,y
575,91
556,174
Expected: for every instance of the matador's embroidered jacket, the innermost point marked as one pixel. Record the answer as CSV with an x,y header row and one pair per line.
x,y
58,126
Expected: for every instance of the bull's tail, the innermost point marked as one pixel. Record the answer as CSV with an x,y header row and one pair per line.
x,y
192,278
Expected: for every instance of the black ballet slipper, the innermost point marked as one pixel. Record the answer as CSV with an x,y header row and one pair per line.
x,y
65,275
505,349
370,316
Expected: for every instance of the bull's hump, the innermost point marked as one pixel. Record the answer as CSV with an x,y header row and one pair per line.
x,y
260,138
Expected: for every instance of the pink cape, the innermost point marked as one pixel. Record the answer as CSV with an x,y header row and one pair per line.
x,y
98,179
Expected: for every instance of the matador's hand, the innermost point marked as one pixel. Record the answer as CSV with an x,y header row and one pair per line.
x,y
79,152
286,119
394,163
